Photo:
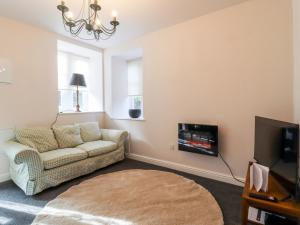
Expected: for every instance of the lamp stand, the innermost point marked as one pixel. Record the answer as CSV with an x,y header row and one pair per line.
x,y
77,106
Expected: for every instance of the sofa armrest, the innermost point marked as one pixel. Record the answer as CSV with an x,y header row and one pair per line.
x,y
22,154
117,136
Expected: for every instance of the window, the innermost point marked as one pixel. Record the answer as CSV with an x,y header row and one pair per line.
x,y
127,84
74,59
135,83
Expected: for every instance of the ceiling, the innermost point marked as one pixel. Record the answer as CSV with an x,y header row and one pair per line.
x,y
137,17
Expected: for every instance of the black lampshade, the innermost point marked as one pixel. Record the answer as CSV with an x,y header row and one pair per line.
x,y
78,80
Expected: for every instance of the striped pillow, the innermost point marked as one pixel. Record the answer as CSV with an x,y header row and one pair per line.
x,y
41,139
68,136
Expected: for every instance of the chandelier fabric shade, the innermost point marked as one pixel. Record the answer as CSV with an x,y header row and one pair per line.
x,y
88,20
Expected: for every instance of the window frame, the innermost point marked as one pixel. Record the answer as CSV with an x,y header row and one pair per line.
x,y
95,92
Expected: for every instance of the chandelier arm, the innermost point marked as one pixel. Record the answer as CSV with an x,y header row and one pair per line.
x,y
104,36
81,21
96,35
64,18
107,33
90,18
77,30
107,30
65,26
82,38
80,29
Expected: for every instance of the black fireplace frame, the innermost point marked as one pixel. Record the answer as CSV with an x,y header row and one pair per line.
x,y
203,138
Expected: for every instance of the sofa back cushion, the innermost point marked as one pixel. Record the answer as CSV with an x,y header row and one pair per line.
x,y
90,131
41,139
68,136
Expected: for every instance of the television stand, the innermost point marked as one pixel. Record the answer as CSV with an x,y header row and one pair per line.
x,y
286,198
287,207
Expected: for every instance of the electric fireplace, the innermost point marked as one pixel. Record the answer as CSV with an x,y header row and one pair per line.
x,y
202,139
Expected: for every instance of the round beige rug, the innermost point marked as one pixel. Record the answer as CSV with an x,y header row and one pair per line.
x,y
133,197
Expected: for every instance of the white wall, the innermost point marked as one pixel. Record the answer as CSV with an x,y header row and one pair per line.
x,y
296,24
32,98
223,68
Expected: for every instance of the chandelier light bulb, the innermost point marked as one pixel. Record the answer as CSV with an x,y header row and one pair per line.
x,y
69,15
114,14
98,22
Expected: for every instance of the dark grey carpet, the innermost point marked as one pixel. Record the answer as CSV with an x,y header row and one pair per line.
x,y
18,209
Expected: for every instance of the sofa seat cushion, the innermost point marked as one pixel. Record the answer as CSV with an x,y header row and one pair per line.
x,y
60,157
95,148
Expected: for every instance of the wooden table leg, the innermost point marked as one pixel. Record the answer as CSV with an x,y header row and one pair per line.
x,y
245,208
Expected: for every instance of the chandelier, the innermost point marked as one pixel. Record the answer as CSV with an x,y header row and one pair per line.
x,y
88,20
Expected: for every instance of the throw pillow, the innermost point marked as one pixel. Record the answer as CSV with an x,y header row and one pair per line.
x,y
41,139
90,131
68,136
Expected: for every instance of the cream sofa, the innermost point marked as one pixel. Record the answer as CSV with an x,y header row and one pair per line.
x,y
34,170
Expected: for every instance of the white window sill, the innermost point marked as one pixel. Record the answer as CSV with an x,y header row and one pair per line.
x,y
78,113
131,119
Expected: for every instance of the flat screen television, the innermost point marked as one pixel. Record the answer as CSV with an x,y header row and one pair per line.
x,y
277,147
196,138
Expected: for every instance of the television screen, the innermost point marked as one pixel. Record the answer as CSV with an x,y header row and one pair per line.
x,y
197,138
276,146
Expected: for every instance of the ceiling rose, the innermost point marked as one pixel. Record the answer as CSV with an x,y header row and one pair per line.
x,y
88,20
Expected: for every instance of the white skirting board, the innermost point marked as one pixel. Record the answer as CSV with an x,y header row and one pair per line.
x,y
187,169
4,177
171,165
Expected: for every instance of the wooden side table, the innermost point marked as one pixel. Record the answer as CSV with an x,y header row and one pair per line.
x,y
288,208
